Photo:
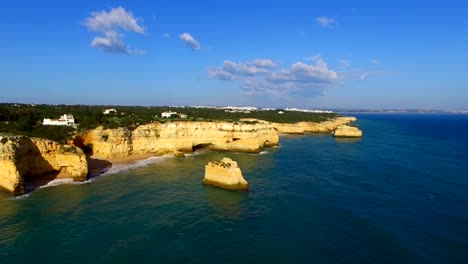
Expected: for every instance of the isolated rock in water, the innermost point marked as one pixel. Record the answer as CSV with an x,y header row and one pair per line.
x,y
347,131
225,174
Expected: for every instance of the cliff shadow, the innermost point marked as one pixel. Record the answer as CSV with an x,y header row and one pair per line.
x,y
346,140
79,142
204,146
35,170
33,182
97,167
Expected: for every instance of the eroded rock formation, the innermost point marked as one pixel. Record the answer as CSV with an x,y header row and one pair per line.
x,y
23,158
225,174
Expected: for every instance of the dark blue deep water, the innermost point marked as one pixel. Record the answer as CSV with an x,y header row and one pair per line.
x,y
398,195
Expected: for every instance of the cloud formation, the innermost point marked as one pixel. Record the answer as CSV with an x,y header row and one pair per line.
x,y
345,63
325,22
232,70
110,25
365,75
266,77
191,41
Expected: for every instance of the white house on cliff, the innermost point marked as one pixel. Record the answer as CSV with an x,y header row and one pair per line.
x,y
170,114
65,120
109,111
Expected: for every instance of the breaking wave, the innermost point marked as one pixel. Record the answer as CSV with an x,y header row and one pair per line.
x,y
131,166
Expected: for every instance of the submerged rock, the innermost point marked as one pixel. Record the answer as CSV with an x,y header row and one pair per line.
x,y
178,154
347,131
225,174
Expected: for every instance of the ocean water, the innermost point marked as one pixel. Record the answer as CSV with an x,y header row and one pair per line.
x,y
398,195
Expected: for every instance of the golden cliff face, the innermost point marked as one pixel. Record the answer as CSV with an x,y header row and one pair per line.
x,y
181,136
22,157
347,131
312,127
109,143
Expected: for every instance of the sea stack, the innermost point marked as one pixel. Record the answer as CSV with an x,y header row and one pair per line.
x,y
347,131
225,174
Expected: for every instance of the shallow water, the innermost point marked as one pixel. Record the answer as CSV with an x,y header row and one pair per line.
x,y
398,195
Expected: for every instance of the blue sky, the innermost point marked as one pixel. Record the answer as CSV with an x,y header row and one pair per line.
x,y
312,54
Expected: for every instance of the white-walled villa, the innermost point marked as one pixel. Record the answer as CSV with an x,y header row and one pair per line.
x,y
108,111
170,114
64,120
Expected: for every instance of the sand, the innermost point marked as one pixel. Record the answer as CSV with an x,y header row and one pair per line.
x,y
96,164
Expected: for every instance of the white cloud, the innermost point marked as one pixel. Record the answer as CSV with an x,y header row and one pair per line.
x,y
111,24
191,41
365,75
111,43
116,18
264,76
345,63
264,63
313,58
232,70
325,22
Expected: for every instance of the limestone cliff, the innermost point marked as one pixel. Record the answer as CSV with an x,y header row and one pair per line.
x,y
109,143
225,174
312,127
23,158
347,131
181,136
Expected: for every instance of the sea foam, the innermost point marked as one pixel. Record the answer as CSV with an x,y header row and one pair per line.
x,y
130,166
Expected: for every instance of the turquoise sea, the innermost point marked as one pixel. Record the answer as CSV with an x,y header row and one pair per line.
x,y
398,195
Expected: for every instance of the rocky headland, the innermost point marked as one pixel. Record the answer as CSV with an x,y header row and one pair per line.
x,y
225,174
347,132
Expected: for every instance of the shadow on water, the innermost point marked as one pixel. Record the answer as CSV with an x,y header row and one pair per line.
x,y
33,182
97,167
347,140
39,176
227,203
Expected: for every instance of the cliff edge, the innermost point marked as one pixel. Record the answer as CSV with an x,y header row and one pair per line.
x,y
312,127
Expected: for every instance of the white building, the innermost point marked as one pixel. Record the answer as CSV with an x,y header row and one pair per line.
x,y
65,120
108,111
183,116
168,114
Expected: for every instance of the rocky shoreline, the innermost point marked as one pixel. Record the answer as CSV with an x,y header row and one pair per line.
x,y
24,159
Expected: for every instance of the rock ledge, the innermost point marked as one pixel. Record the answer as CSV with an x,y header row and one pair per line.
x,y
347,131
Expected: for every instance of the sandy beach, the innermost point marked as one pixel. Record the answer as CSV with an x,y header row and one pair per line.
x,y
97,164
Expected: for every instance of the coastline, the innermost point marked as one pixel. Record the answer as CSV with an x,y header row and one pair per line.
x,y
100,165
120,146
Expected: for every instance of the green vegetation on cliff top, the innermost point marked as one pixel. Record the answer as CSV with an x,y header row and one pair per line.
x,y
26,119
